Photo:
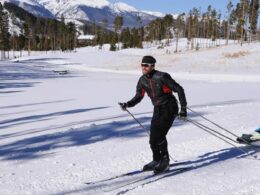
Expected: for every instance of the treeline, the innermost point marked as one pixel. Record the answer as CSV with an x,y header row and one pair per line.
x,y
36,34
239,23
118,37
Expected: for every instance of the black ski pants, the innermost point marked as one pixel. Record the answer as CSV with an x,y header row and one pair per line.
x,y
163,117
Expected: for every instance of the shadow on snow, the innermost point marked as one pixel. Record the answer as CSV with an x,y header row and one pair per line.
x,y
33,147
76,123
208,159
35,104
9,122
16,85
16,71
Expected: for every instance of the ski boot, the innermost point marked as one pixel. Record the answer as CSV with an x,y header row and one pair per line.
x,y
150,166
163,166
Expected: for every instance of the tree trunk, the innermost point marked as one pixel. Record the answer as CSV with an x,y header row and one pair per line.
x,y
177,41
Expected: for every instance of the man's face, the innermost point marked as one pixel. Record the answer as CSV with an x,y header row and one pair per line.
x,y
147,68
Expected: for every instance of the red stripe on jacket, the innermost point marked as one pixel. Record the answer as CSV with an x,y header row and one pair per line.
x,y
166,89
143,92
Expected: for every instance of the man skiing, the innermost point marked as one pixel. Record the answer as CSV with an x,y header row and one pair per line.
x,y
159,87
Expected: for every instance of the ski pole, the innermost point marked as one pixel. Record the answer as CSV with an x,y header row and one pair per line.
x,y
217,125
255,157
210,129
137,121
145,129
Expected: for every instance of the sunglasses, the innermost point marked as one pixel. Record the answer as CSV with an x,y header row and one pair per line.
x,y
146,65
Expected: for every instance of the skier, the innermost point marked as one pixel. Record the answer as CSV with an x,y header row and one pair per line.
x,y
159,87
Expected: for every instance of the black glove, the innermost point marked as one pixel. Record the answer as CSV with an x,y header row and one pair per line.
x,y
183,113
123,106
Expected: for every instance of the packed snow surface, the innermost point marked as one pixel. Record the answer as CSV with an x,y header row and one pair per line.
x,y
62,128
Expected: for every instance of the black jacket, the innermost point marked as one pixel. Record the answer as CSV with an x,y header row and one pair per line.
x,y
159,87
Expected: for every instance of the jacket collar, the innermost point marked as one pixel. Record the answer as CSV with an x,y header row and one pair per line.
x,y
150,75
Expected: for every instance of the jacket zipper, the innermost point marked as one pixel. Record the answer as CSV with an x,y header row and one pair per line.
x,y
151,85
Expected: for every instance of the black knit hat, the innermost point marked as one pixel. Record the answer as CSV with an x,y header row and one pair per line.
x,y
148,60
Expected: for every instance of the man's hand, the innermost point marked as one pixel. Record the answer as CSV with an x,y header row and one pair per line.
x,y
123,106
183,113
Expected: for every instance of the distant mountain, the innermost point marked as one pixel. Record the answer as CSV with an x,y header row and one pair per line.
x,y
82,11
18,15
97,10
31,6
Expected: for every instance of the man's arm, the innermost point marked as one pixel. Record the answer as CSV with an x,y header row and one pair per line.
x,y
140,92
176,88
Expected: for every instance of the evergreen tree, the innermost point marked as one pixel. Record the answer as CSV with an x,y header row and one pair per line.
x,y
118,23
126,38
101,33
55,34
38,35
180,25
28,33
71,36
21,43
253,15
112,40
243,10
95,32
136,38
1,31
168,25
85,29
13,33
229,20
209,22
100,37
4,32
62,33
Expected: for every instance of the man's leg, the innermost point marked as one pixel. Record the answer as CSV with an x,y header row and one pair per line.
x,y
156,152
156,158
158,142
162,120
165,121
168,113
163,147
154,135
153,141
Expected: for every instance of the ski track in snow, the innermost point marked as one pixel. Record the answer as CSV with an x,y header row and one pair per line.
x,y
59,132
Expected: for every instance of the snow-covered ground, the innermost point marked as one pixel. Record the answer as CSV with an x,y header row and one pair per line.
x,y
59,132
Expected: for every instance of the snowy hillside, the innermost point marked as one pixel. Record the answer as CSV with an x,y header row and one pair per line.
x,y
32,6
158,14
86,10
96,11
60,6
122,7
65,134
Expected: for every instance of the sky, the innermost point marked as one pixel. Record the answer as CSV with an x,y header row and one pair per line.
x,y
177,6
